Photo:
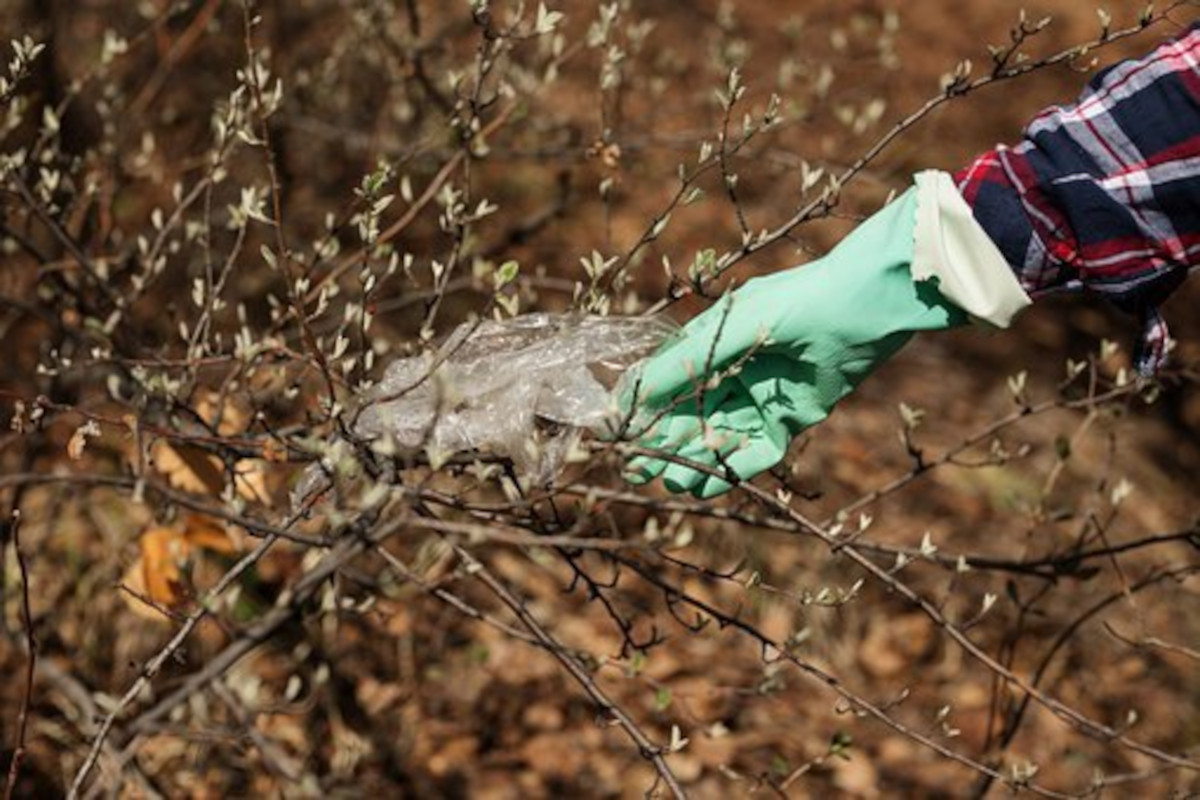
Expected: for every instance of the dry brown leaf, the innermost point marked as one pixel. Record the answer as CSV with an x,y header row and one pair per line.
x,y
544,717
856,776
377,696
554,755
134,583
893,644
188,469
274,451
157,574
687,767
229,420
79,439
156,580
205,532
714,750
252,480
191,469
459,750
76,445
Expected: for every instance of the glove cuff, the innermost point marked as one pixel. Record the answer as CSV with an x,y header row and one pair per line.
x,y
952,247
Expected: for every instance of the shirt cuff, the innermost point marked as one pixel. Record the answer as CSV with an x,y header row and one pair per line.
x,y
953,248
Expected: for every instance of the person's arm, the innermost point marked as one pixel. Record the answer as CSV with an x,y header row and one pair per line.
x,y
1103,195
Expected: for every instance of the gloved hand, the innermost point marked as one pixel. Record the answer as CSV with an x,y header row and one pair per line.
x,y
777,354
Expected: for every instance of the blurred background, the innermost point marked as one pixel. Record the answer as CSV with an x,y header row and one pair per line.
x,y
127,144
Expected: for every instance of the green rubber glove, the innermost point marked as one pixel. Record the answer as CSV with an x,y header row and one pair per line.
x,y
790,346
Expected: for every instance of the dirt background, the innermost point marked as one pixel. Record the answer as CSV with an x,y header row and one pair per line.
x,y
408,698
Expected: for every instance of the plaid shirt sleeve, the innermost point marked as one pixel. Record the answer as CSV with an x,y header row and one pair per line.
x,y
1104,195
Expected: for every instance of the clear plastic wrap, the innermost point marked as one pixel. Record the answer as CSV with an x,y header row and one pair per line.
x,y
523,388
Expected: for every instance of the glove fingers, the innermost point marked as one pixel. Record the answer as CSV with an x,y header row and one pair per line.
x,y
757,454
671,434
725,434
750,419
681,478
736,425
761,443
643,469
711,341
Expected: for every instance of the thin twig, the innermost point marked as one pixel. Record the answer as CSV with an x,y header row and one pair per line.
x,y
155,664
774,650
648,750
14,767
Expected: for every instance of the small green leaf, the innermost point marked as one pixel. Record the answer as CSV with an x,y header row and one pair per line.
x,y
703,265
506,273
1062,448
479,654
840,744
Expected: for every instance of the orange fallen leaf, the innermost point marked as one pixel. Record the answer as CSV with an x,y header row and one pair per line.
x,y
251,480
274,451
194,469
158,580
157,574
229,419
206,533
188,469
191,469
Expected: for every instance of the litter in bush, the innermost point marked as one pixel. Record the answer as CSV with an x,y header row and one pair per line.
x,y
523,388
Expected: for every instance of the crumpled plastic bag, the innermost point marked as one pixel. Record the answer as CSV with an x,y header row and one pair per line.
x,y
523,388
